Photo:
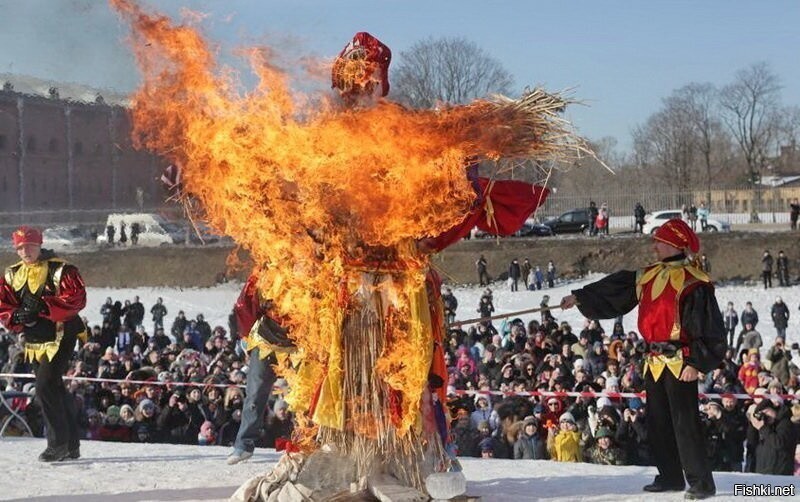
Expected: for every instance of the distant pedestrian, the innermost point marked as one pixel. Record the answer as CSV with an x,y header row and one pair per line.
x,y
136,229
514,273
593,212
638,215
538,278
731,320
794,213
780,316
526,268
551,274
702,214
123,235
110,231
693,217
783,268
766,268
483,275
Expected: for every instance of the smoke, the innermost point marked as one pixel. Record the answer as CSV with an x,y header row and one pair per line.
x,y
81,41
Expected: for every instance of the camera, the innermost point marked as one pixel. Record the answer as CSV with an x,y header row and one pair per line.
x,y
758,415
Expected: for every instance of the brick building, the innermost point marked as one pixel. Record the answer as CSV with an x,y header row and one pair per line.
x,y
60,155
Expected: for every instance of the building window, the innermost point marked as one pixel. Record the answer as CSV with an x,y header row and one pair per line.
x,y
31,148
77,148
52,146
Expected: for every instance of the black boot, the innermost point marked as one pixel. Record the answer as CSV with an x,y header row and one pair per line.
x,y
74,452
699,493
54,454
661,485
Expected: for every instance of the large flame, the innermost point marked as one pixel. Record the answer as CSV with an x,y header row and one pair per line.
x,y
304,188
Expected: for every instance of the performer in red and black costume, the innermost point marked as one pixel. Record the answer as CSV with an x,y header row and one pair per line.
x,y
681,322
40,298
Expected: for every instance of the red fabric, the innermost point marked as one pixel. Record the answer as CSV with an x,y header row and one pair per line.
x,y
26,235
677,233
8,304
377,53
512,203
283,444
438,367
247,308
657,317
71,298
66,305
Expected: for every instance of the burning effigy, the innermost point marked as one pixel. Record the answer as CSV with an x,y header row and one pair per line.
x,y
340,201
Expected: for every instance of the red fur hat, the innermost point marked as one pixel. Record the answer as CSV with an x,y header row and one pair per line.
x,y
677,233
26,235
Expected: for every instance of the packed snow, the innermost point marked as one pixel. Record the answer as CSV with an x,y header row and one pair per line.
x,y
128,472
137,472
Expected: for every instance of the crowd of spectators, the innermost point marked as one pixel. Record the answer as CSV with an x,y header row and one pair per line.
x,y
194,380
754,435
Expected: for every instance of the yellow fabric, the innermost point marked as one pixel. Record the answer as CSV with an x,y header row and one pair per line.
x,y
253,341
329,411
566,447
673,273
36,351
34,275
656,364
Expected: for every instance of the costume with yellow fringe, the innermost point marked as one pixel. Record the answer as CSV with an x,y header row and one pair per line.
x,y
60,287
682,326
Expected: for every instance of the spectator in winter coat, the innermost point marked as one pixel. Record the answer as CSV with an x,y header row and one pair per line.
x,y
794,213
777,438
596,360
207,434
538,278
779,356
551,274
483,275
179,422
112,429
203,328
766,268
604,451
564,440
514,274
749,315
483,412
734,433
158,311
748,373
145,427
714,433
783,269
450,305
230,429
731,320
780,316
632,434
702,215
749,338
638,213
529,445
525,270
179,325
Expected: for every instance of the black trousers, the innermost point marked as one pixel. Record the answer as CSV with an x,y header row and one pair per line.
x,y
58,406
675,432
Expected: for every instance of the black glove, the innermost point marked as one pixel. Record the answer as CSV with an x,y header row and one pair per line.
x,y
22,316
33,303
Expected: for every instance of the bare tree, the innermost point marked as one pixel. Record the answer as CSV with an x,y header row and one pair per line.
x,y
698,103
450,70
751,110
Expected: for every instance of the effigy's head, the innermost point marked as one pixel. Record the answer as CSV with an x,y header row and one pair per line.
x,y
362,68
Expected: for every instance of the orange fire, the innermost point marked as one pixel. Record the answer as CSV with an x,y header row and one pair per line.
x,y
303,188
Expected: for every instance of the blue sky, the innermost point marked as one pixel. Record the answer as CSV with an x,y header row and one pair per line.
x,y
622,57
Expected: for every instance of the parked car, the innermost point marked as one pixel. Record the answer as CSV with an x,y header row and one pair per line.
x,y
657,218
64,237
152,229
571,222
531,228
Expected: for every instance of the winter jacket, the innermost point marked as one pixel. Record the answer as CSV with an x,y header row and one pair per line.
x,y
731,319
751,340
610,456
565,446
749,316
780,358
766,263
748,375
780,314
776,445
530,448
633,438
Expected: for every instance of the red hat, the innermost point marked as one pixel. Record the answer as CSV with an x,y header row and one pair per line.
x,y
677,233
26,235
363,62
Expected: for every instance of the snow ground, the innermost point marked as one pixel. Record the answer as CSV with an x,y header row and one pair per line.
x,y
138,472
135,472
216,303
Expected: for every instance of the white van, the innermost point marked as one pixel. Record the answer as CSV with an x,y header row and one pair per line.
x,y
152,229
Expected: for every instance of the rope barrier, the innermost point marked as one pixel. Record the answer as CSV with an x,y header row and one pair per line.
x,y
538,393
